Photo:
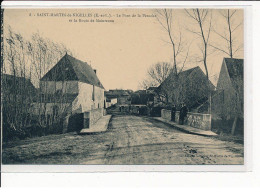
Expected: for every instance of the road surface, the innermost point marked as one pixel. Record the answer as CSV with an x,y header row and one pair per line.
x,y
129,140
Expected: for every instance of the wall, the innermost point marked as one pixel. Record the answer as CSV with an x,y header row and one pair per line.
x,y
166,114
50,87
197,120
79,121
95,115
201,121
85,100
108,104
225,103
124,100
113,101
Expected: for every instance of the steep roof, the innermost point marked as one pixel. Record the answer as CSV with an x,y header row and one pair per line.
x,y
188,71
69,69
183,74
235,67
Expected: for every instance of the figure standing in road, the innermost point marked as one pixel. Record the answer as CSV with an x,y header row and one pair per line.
x,y
173,111
183,113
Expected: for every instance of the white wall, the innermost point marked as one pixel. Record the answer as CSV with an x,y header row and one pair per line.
x,y
83,102
113,101
84,98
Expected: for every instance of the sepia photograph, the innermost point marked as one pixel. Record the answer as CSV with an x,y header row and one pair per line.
x,y
125,86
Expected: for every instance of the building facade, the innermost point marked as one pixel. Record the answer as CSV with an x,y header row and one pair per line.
x,y
70,87
229,99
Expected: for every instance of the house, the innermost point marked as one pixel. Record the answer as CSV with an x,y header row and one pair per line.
x,y
229,99
71,87
190,86
110,101
123,96
13,85
17,95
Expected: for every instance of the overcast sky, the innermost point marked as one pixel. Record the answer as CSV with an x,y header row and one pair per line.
x,y
122,50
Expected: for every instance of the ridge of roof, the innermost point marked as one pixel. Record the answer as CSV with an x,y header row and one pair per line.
x,y
188,71
234,66
81,71
84,71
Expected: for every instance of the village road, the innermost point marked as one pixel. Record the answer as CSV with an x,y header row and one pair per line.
x,y
129,140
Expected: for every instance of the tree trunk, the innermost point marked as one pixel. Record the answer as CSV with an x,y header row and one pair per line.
x,y
234,126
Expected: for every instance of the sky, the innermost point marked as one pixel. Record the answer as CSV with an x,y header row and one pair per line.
x,y
123,50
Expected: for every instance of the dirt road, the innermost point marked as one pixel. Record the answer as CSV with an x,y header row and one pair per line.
x,y
129,140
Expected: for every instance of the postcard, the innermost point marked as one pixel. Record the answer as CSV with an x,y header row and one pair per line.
x,y
123,86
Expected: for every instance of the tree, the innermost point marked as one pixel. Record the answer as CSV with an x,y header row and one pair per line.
x,y
27,61
44,54
165,18
156,74
229,48
201,17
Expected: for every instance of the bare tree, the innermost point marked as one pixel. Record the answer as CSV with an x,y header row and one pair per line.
x,y
229,48
26,61
180,53
165,17
16,94
156,74
44,54
201,17
159,72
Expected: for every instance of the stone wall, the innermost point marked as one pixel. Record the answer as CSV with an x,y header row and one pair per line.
x,y
166,114
95,115
197,120
201,121
79,121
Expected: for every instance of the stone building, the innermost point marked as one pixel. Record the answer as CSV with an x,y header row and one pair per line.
x,y
191,87
123,96
228,102
71,87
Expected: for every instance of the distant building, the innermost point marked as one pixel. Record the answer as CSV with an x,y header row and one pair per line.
x,y
110,101
123,96
229,99
71,87
191,87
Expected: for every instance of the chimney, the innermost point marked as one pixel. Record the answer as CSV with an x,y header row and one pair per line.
x,y
95,71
